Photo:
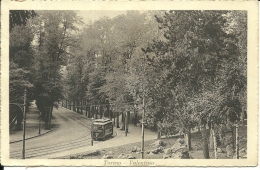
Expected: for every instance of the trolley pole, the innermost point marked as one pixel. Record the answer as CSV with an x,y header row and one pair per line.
x,y
142,145
24,122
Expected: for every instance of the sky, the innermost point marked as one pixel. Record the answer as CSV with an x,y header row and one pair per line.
x,y
92,16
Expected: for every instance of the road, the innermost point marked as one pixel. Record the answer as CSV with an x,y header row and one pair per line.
x,y
71,135
70,130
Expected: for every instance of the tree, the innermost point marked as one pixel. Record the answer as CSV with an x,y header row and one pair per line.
x,y
228,93
112,49
74,78
239,28
191,56
55,32
21,60
129,33
19,17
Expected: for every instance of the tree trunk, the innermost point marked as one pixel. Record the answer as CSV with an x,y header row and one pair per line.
x,y
128,119
114,118
48,122
51,110
159,134
74,106
76,109
117,120
81,107
103,111
188,139
91,112
49,117
242,116
109,113
215,142
135,113
205,135
123,119
99,112
46,118
86,108
77,106
233,137
95,112
211,140
126,123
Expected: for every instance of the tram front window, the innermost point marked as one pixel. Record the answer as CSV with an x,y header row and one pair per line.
x,y
98,127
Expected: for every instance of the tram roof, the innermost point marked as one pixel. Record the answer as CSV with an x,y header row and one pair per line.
x,y
102,121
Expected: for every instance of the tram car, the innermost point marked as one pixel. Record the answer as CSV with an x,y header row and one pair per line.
x,y
101,129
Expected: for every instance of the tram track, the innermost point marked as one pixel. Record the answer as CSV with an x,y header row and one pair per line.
x,y
66,145
30,153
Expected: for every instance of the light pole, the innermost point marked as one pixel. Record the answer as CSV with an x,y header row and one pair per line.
x,y
142,145
24,122
93,119
237,140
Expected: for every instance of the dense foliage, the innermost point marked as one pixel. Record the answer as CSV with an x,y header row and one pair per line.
x,y
188,66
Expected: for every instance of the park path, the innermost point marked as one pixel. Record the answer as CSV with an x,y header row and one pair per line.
x,y
32,126
69,130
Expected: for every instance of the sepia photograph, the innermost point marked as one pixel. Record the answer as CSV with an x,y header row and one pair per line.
x,y
144,85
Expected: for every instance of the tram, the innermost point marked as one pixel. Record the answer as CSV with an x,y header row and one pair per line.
x,y
101,129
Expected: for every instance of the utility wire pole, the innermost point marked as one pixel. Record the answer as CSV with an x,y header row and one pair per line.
x,y
24,122
142,146
237,141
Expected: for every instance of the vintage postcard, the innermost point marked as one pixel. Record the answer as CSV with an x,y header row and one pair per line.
x,y
129,83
